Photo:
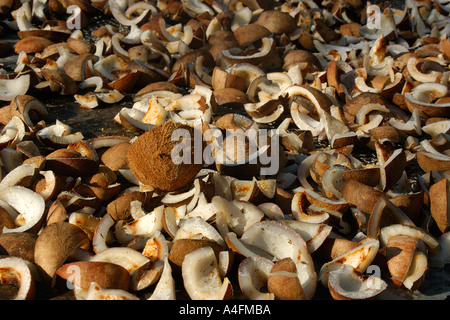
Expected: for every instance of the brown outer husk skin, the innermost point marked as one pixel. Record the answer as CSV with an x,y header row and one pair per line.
x,y
150,158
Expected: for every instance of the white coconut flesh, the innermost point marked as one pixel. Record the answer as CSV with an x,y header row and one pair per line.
x,y
313,233
282,241
352,285
389,231
96,292
416,271
29,204
253,273
10,88
165,288
442,258
358,258
15,176
146,224
128,258
195,226
102,233
15,270
201,276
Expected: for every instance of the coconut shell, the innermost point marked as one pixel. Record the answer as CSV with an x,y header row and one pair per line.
x,y
157,86
52,35
106,274
306,41
327,33
399,253
335,247
116,157
120,208
352,107
102,178
392,170
429,162
67,85
231,98
223,37
410,203
32,44
350,29
294,57
80,46
54,244
191,56
18,244
360,195
250,33
6,220
150,157
182,247
439,204
427,110
283,281
221,40
56,213
369,176
221,79
70,163
76,66
277,22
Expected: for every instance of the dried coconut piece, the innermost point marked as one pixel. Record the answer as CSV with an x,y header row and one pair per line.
x,y
400,252
201,276
283,281
58,135
165,288
108,275
439,204
96,292
29,109
10,88
15,271
253,273
441,258
425,98
345,283
282,242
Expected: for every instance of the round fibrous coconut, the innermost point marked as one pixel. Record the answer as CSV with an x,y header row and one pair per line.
x,y
164,156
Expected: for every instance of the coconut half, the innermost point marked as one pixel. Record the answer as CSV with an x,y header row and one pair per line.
x,y
441,258
165,288
201,276
346,283
10,88
282,241
195,227
15,271
128,258
313,233
96,292
395,229
29,205
253,273
359,258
